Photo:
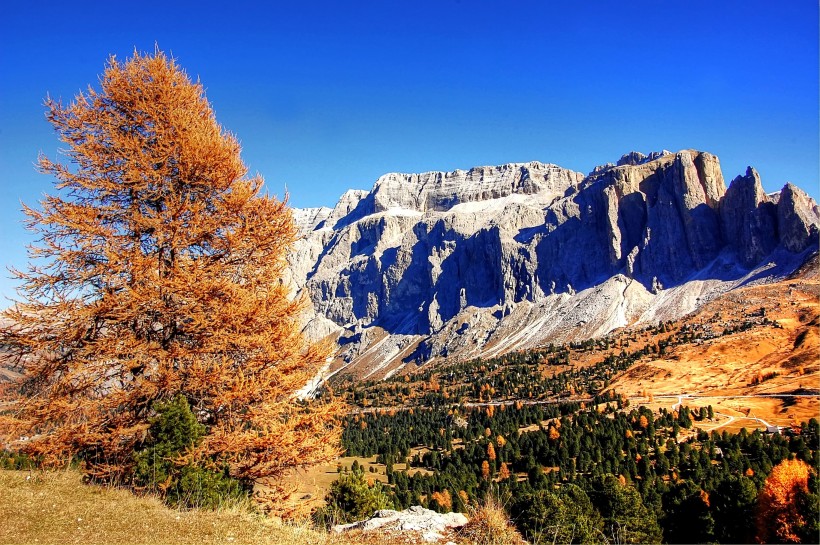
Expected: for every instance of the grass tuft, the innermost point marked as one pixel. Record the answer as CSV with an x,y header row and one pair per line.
x,y
490,525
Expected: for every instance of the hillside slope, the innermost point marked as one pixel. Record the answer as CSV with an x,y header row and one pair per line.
x,y
753,354
56,507
770,371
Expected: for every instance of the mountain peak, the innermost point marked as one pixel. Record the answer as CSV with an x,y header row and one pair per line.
x,y
637,158
441,191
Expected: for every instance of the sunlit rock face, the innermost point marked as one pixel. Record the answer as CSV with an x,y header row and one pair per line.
x,y
492,259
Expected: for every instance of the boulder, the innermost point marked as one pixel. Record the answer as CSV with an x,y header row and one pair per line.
x,y
416,521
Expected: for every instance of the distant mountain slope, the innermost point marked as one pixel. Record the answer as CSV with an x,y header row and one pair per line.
x,y
752,353
768,372
483,261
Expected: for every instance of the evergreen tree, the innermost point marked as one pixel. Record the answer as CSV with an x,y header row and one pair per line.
x,y
352,498
688,517
733,505
564,516
626,519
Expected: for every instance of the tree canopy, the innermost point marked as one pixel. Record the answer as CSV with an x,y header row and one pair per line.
x,y
783,516
158,272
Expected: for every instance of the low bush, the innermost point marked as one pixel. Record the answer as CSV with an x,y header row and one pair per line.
x,y
17,460
352,497
173,430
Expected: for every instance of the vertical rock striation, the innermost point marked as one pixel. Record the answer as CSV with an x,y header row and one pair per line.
x,y
496,258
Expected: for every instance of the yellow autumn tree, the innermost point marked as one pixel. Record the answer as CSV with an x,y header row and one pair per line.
x,y
443,498
643,422
503,472
779,516
157,276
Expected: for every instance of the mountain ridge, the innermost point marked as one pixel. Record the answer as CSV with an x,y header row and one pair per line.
x,y
495,258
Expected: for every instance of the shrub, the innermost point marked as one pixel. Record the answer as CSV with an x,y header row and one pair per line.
x,y
204,488
17,460
352,498
158,468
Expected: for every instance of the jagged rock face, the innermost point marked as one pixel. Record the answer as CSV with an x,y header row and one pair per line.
x,y
798,217
496,258
419,247
442,191
749,218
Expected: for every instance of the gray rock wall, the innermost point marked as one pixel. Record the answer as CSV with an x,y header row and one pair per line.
x,y
422,255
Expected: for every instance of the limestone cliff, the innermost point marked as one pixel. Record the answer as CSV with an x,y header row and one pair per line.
x,y
497,258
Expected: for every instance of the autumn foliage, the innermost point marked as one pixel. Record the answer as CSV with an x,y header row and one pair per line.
x,y
779,516
503,472
444,499
158,273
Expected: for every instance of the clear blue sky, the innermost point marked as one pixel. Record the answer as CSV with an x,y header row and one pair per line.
x,y
327,96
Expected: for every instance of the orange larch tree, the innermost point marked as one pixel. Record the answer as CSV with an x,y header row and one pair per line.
x,y
503,472
158,273
779,517
643,422
485,470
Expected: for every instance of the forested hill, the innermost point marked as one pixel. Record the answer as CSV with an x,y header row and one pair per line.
x,y
673,432
608,468
752,342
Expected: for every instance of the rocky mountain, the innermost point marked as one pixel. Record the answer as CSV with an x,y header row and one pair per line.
x,y
493,259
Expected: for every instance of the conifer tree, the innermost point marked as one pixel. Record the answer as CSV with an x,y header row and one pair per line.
x,y
157,273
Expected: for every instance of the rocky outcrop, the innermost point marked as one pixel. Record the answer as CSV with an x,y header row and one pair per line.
x,y
749,219
495,258
415,522
442,191
798,217
656,220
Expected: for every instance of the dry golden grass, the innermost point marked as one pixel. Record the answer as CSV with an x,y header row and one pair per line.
x,y
787,359
312,484
490,525
55,507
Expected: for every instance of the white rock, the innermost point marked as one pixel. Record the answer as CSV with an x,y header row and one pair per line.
x,y
416,519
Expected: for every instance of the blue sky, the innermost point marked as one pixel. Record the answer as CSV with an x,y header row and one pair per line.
x,y
329,96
